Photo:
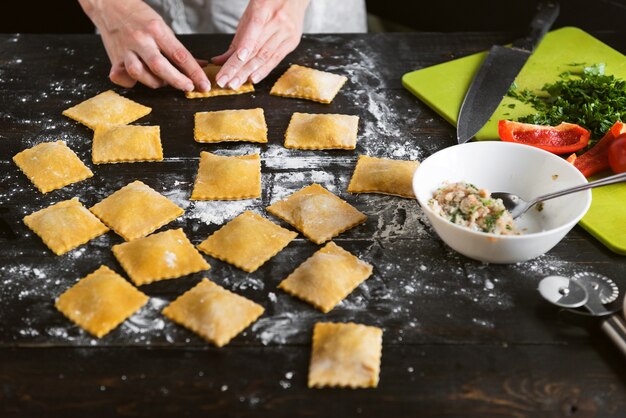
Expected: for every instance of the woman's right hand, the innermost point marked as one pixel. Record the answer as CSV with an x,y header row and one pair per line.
x,y
143,48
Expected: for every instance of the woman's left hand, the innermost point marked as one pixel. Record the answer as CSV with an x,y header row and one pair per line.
x,y
267,32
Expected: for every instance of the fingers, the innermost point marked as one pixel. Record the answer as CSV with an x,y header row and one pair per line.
x,y
174,50
119,76
225,76
140,72
146,48
202,63
143,48
267,54
164,70
244,46
248,34
281,52
221,59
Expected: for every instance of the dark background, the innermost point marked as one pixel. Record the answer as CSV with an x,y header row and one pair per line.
x,y
66,16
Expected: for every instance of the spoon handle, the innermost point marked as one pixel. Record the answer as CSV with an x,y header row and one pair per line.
x,y
617,178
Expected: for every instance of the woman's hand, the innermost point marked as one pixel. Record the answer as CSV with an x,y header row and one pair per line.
x,y
267,32
142,47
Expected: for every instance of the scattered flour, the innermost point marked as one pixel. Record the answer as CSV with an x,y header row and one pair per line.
x,y
382,133
218,212
147,323
278,329
284,184
170,259
391,296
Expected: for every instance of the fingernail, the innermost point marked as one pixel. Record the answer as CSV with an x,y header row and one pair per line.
x,y
222,81
205,86
254,78
235,83
243,54
189,87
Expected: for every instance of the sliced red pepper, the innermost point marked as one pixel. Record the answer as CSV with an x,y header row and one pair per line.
x,y
597,158
618,129
617,154
561,139
571,158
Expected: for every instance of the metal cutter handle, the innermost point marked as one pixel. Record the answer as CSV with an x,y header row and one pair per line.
x,y
615,328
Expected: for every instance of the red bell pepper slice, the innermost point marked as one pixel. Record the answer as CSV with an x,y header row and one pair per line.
x,y
618,129
571,158
617,155
597,158
561,139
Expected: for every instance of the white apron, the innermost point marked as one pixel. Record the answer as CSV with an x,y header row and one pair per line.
x,y
222,16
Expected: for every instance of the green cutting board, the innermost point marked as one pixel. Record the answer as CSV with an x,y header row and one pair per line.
x,y
443,87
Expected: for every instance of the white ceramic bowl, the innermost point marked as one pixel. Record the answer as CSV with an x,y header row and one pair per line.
x,y
505,167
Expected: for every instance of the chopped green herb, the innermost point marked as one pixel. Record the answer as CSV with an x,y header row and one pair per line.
x,y
539,206
490,221
584,96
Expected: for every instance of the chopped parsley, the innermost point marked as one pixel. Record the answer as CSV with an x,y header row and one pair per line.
x,y
490,221
584,95
458,214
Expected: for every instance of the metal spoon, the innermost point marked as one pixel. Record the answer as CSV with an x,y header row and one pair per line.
x,y
518,206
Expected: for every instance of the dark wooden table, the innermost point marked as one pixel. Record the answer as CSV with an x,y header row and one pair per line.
x,y
461,338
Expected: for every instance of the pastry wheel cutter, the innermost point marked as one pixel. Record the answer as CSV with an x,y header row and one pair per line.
x,y
591,291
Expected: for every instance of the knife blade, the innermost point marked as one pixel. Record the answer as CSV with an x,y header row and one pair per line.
x,y
498,71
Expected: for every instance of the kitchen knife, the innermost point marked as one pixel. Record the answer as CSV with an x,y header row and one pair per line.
x,y
497,73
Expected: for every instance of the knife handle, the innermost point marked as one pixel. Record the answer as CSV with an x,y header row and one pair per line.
x,y
542,21
615,328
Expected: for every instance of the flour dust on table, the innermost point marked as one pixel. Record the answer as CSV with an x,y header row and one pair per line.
x,y
382,134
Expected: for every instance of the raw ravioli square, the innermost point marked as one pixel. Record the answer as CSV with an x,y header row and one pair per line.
x,y
345,355
317,213
136,210
213,312
100,301
65,225
247,241
227,177
161,256
322,131
382,175
308,83
230,125
107,108
327,277
211,71
51,165
126,143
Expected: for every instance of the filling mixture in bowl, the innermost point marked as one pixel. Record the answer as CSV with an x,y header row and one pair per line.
x,y
466,205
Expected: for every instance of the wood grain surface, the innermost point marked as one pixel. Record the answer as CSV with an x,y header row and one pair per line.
x,y
461,338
